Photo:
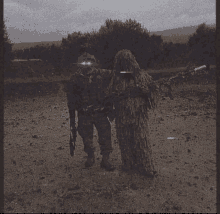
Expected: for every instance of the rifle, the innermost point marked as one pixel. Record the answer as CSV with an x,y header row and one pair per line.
x,y
72,133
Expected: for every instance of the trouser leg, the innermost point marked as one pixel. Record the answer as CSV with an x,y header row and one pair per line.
x,y
104,132
85,129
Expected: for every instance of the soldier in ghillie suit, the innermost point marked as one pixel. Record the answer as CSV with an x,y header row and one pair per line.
x,y
134,93
87,93
179,78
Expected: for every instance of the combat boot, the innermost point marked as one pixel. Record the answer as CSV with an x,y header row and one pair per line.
x,y
106,164
90,160
125,166
150,174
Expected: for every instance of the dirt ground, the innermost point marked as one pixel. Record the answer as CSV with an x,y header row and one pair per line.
x,y
41,176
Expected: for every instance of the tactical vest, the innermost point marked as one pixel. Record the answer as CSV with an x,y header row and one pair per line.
x,y
91,90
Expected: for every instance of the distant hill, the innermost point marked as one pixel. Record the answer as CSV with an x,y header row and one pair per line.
x,y
23,45
176,31
177,35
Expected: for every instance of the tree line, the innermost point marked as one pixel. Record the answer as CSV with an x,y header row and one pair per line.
x,y
150,50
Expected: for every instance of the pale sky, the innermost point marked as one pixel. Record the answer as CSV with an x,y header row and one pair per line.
x,y
67,16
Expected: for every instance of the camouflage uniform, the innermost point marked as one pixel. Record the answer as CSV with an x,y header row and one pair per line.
x,y
87,93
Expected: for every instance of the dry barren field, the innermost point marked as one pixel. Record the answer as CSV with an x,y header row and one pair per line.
x,y
41,176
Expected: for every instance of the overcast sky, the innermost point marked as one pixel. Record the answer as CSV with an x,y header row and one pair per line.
x,y
68,16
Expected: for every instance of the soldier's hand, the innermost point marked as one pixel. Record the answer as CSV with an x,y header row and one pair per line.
x,y
111,115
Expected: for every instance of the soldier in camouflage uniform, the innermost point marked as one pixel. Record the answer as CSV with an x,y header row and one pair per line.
x,y
179,78
87,93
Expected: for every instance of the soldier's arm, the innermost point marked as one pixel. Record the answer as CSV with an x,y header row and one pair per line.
x,y
149,88
109,100
109,106
145,83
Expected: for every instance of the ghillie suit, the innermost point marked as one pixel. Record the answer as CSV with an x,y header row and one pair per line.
x,y
87,92
134,94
